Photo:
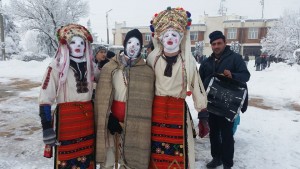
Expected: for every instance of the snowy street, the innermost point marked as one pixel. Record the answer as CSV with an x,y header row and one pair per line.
x,y
267,137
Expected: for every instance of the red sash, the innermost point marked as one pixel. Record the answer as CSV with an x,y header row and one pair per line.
x,y
118,110
75,130
168,142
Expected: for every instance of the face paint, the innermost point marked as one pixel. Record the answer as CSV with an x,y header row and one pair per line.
x,y
76,46
133,47
171,40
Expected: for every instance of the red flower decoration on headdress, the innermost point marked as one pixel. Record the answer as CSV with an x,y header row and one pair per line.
x,y
65,33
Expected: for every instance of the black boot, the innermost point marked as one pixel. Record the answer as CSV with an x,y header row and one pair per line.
x,y
215,162
225,167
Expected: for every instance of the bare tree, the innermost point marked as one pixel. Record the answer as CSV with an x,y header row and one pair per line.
x,y
45,16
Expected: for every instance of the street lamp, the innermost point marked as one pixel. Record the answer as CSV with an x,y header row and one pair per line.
x,y
107,32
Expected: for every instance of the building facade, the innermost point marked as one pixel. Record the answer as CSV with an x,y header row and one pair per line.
x,y
246,32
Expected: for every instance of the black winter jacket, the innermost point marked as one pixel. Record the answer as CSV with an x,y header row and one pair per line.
x,y
230,61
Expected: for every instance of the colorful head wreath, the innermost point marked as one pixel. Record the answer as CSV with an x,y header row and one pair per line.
x,y
179,20
176,18
65,33
61,61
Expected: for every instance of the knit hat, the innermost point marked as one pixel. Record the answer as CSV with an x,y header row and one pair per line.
x,y
98,49
133,33
65,33
216,35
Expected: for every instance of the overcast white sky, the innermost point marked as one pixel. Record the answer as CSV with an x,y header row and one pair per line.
x,y
140,12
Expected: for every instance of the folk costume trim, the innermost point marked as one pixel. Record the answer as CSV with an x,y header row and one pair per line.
x,y
168,150
80,73
46,82
75,142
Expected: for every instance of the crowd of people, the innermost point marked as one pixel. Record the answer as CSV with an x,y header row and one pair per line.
x,y
262,62
124,111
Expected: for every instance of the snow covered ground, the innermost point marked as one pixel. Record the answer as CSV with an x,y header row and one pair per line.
x,y
268,137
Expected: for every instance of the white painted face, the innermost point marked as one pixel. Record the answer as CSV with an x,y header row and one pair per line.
x,y
76,46
133,47
171,40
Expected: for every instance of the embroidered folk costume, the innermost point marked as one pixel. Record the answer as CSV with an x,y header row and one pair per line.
x,y
123,104
176,75
69,83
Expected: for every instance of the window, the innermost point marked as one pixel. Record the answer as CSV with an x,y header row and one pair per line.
x,y
231,34
253,33
148,37
194,36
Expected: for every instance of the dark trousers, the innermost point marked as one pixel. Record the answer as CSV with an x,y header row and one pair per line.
x,y
221,139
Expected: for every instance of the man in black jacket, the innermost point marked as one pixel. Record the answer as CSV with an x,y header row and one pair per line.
x,y
222,61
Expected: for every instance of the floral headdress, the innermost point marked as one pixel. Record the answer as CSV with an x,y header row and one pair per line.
x,y
65,33
179,20
176,18
61,60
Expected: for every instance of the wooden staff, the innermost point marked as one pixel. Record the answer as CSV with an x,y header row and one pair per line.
x,y
117,150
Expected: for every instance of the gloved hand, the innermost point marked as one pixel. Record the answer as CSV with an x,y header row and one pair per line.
x,y
203,127
114,125
49,136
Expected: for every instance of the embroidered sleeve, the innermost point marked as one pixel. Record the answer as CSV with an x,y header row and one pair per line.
x,y
47,79
49,87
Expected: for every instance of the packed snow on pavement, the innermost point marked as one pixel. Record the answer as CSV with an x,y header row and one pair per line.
x,y
267,138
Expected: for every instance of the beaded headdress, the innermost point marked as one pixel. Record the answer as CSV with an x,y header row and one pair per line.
x,y
179,20
65,33
61,60
176,18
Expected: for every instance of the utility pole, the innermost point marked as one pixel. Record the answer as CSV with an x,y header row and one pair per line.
x,y
2,32
107,32
262,2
